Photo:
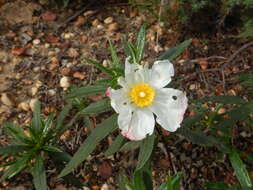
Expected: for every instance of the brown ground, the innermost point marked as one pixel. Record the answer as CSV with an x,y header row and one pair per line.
x,y
38,50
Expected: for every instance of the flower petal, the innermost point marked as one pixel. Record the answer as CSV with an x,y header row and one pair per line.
x,y
169,106
119,100
141,124
161,73
131,67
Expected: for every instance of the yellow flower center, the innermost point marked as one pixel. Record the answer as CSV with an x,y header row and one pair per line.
x,y
142,94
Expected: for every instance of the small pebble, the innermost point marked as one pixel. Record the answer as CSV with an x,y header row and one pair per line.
x,y
65,82
72,53
113,26
51,92
36,42
105,187
24,106
33,103
6,100
34,91
79,75
108,20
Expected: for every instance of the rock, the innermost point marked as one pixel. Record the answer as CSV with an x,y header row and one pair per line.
x,y
86,188
36,42
48,16
38,84
34,91
32,103
6,100
73,53
65,82
113,26
18,51
108,20
79,75
95,23
68,35
105,187
24,106
84,38
65,71
80,20
51,92
105,170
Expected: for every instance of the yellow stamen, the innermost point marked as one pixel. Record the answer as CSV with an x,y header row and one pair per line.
x,y
142,94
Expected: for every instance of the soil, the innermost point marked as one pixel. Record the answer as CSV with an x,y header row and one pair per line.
x,y
40,46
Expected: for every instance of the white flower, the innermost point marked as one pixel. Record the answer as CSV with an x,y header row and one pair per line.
x,y
142,95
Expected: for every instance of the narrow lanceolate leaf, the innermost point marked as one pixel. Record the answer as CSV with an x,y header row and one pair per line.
x,y
12,149
176,51
39,174
146,149
198,137
86,90
99,66
130,145
115,58
115,146
173,182
101,131
36,121
51,149
240,170
140,44
16,132
97,107
16,167
130,51
225,99
60,118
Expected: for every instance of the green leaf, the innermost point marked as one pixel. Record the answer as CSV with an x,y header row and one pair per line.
x,y
146,149
60,118
115,58
51,149
16,167
142,179
36,121
198,137
81,92
39,174
240,169
97,107
176,51
130,145
12,149
224,99
100,132
16,132
173,182
47,125
59,159
115,146
99,66
214,185
130,51
140,44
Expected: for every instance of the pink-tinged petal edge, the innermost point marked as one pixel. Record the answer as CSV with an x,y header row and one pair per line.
x,y
108,92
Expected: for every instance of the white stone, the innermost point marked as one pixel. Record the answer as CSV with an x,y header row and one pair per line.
x,y
36,41
65,82
33,103
6,100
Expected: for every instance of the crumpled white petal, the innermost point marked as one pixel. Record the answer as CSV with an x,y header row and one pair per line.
x,y
131,67
161,73
119,100
169,107
141,124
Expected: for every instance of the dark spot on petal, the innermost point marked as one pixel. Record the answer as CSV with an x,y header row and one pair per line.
x,y
125,103
174,97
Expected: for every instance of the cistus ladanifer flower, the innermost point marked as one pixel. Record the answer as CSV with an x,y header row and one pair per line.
x,y
143,96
